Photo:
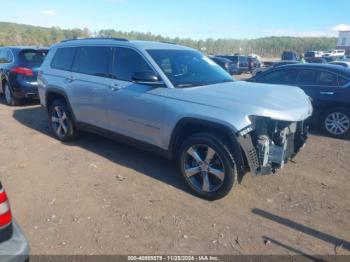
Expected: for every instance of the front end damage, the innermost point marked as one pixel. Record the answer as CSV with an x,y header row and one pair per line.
x,y
268,144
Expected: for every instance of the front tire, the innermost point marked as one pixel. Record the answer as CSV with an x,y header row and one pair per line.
x,y
61,121
336,122
9,98
207,165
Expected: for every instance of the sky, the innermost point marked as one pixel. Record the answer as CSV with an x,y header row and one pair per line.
x,y
197,19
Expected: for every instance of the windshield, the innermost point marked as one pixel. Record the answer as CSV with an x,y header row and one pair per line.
x,y
33,56
187,68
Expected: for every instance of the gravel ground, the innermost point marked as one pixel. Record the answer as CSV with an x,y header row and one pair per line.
x,y
95,196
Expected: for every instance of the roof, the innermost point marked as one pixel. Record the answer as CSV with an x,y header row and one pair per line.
x,y
223,59
329,67
27,47
145,45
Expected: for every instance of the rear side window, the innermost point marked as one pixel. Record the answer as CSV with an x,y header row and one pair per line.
x,y
93,60
127,62
327,79
283,77
32,56
63,58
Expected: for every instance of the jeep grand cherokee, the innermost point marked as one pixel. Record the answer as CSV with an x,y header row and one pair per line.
x,y
175,101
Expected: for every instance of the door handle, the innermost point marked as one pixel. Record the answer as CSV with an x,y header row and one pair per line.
x,y
70,79
114,87
327,93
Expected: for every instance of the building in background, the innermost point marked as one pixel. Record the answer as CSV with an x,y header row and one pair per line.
x,y
344,41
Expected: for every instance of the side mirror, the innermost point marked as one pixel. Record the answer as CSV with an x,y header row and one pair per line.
x,y
146,78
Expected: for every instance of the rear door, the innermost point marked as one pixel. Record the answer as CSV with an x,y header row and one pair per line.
x,y
87,84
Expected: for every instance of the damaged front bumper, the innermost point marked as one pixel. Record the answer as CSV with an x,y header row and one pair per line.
x,y
268,144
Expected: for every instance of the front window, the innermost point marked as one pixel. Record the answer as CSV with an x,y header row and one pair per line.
x,y
127,62
282,77
187,68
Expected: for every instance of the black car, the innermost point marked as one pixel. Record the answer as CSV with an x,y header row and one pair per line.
x,y
289,56
329,89
240,61
18,72
226,64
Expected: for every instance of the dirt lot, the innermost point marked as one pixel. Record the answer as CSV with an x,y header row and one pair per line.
x,y
95,196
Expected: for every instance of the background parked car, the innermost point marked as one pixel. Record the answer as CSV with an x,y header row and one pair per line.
x,y
18,73
240,61
226,64
289,56
253,63
327,85
335,53
341,63
312,54
13,245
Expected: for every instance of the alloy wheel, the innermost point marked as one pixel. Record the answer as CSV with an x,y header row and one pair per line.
x,y
59,121
337,123
203,168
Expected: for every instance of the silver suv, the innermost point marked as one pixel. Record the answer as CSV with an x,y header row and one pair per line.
x,y
175,101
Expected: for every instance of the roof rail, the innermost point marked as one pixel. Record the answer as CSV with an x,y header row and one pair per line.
x,y
96,38
168,42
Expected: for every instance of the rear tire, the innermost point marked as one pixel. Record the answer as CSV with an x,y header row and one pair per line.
x,y
61,121
207,165
9,98
336,122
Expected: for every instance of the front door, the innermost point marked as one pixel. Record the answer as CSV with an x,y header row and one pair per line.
x,y
134,110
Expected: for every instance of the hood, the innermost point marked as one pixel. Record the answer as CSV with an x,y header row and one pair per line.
x,y
287,103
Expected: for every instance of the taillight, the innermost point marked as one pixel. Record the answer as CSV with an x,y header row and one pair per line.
x,y
5,211
22,71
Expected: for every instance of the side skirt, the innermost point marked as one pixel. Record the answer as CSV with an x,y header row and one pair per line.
x,y
123,139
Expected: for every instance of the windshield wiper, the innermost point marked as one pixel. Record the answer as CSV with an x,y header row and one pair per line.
x,y
184,85
188,85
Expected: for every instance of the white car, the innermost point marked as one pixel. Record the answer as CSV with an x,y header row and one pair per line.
x,y
335,53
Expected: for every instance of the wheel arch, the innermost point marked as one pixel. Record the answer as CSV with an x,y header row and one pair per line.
x,y
52,94
189,126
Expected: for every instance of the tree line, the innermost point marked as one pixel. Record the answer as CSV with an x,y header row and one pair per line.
x,y
18,34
